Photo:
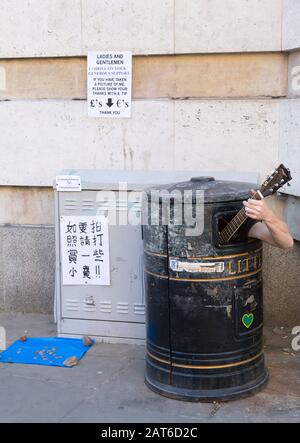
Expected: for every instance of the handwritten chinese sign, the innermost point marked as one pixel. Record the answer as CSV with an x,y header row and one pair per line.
x,y
85,250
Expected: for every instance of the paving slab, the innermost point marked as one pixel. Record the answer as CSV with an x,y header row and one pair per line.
x,y
108,385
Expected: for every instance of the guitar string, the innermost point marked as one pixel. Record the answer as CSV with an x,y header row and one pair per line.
x,y
226,233
229,230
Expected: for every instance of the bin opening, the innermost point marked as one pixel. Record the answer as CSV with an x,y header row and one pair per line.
x,y
222,220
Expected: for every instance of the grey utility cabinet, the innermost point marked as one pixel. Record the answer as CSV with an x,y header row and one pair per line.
x,y
114,311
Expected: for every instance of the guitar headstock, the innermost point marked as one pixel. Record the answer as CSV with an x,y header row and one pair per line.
x,y
278,178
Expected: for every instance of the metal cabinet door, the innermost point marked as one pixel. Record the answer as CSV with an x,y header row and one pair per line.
x,y
123,299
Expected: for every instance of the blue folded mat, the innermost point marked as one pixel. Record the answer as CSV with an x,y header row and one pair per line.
x,y
48,351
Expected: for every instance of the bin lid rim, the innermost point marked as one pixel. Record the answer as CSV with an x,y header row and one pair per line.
x,y
213,190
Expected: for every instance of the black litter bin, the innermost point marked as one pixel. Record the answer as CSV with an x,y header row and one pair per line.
x,y
204,306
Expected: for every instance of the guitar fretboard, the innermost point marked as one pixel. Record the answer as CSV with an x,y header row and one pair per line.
x,y
234,224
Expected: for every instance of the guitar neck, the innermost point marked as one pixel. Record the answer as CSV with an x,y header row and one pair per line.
x,y
234,224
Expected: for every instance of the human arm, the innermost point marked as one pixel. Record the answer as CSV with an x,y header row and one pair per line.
x,y
269,228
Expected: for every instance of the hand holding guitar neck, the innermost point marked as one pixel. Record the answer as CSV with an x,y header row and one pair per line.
x,y
279,177
256,208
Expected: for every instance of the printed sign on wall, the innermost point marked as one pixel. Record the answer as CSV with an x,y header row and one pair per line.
x,y
85,250
109,84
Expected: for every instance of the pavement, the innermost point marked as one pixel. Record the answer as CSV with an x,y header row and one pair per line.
x,y
108,386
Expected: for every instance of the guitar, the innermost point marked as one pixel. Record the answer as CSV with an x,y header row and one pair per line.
x,y
278,178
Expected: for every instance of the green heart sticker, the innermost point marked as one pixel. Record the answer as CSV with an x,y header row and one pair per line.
x,y
247,320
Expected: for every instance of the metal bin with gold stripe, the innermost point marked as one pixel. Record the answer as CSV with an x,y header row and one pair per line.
x,y
204,306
